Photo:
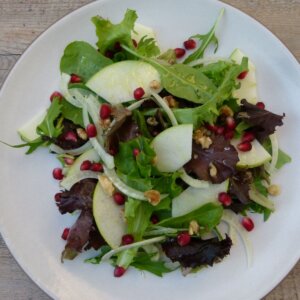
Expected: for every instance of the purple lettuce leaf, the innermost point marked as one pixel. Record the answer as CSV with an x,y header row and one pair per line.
x,y
264,122
198,252
220,153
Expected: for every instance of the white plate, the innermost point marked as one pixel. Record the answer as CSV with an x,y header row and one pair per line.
x,y
30,222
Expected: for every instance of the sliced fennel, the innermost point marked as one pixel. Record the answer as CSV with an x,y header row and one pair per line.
x,y
207,60
270,167
75,152
133,245
257,197
231,219
65,79
69,181
124,188
196,183
160,101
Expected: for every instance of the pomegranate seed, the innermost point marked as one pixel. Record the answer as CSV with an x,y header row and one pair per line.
x,y
117,47
65,234
70,136
109,54
243,75
85,165
58,174
69,161
229,134
75,78
220,130
154,219
91,130
134,42
230,123
247,223
244,146
212,128
183,239
260,105
225,199
189,44
127,239
56,95
105,111
57,197
113,151
119,198
179,52
136,152
119,271
248,137
138,93
96,167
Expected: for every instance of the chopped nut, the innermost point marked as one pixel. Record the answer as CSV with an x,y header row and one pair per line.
x,y
82,133
194,227
226,111
155,85
106,185
200,137
205,142
171,101
195,156
274,190
152,121
105,123
153,197
212,170
198,134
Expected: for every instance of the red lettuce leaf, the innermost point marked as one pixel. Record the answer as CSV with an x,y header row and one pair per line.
x,y
220,153
198,252
264,122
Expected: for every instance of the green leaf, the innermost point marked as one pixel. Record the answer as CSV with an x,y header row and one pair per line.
x,y
147,47
208,216
241,127
97,259
169,56
72,113
108,33
82,59
141,184
33,145
47,127
259,209
140,120
143,262
259,186
206,40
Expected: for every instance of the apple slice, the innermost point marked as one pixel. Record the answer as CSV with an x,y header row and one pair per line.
x,y
192,198
117,82
28,131
257,156
248,89
109,217
173,147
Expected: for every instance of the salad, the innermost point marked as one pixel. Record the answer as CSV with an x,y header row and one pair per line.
x,y
158,149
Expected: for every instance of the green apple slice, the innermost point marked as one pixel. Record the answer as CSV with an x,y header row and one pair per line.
x,y
108,217
173,147
257,156
140,30
193,198
248,89
28,131
116,83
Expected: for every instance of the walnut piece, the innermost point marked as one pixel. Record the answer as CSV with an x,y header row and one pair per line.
x,y
212,170
153,197
200,137
274,190
171,101
82,133
105,123
226,111
106,184
155,85
152,121
194,227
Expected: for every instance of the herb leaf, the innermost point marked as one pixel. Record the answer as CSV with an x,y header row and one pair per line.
x,y
206,40
82,59
147,47
72,113
97,259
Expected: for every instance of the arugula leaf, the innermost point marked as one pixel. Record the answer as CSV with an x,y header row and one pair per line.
x,y
147,47
33,145
72,113
47,127
139,118
108,33
208,112
259,209
143,262
206,40
141,184
97,259
260,187
169,56
208,216
82,59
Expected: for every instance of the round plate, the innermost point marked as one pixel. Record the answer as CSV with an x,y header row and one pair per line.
x,y
30,222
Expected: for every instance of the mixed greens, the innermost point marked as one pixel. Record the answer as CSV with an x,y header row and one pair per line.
x,y
157,149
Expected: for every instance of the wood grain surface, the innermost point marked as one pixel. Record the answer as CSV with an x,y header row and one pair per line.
x,y
21,21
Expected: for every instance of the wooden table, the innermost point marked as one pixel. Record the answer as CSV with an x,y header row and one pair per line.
x,y
21,21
